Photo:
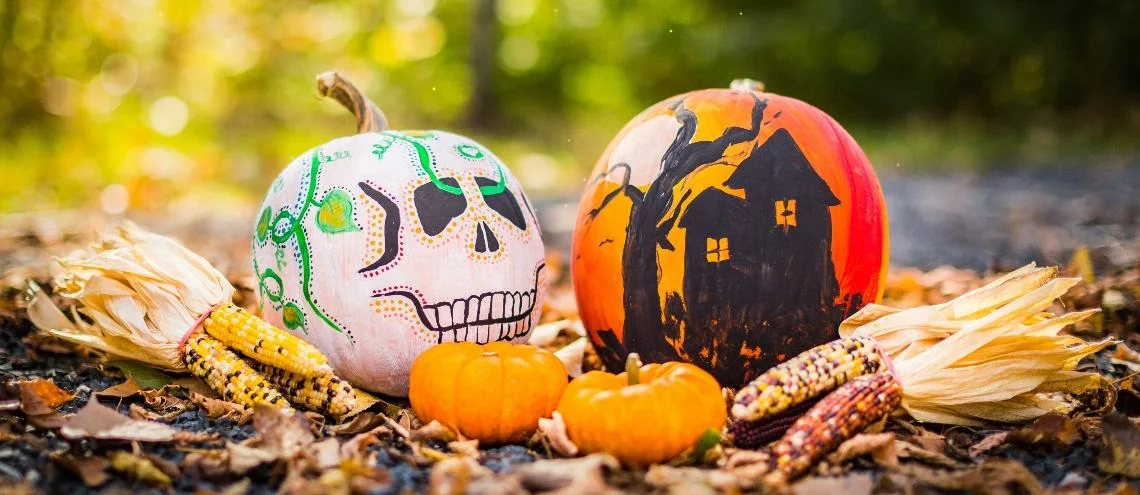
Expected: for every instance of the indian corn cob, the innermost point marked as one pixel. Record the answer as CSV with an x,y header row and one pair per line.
x,y
327,393
811,374
225,372
753,434
859,403
257,339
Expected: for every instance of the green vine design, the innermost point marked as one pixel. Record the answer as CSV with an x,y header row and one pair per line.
x,y
334,215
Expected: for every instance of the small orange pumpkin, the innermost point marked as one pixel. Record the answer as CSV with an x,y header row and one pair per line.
x,y
493,393
646,415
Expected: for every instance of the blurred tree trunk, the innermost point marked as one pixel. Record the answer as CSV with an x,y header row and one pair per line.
x,y
484,41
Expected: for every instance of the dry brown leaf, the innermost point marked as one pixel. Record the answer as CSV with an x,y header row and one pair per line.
x,y
579,475
992,476
139,468
434,431
929,440
1050,429
853,483
554,430
209,464
48,392
687,479
220,409
359,423
325,453
881,447
455,474
100,422
129,388
280,432
163,402
91,470
39,414
988,443
356,446
1121,451
468,448
241,458
195,385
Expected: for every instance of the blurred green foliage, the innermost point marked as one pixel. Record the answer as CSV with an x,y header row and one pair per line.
x,y
143,103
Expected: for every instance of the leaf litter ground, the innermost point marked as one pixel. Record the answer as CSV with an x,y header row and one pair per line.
x,y
72,423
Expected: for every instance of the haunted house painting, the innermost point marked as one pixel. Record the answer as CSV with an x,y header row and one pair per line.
x,y
758,273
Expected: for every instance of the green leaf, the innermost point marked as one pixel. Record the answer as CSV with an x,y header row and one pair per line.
x,y
709,439
144,375
263,225
293,317
335,214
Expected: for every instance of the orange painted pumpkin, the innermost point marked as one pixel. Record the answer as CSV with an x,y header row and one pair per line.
x,y
493,393
730,228
647,415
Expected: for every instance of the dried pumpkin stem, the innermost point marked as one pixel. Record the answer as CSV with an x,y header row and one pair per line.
x,y
633,368
369,118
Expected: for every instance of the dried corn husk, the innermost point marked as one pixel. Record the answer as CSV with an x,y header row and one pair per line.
x,y
139,293
992,354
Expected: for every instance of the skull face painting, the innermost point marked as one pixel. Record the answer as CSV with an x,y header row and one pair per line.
x,y
377,246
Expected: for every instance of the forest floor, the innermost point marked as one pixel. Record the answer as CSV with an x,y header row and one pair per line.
x,y
217,447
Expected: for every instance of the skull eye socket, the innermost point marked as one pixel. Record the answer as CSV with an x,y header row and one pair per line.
x,y
503,202
436,207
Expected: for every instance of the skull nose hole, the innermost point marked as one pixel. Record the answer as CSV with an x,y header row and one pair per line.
x,y
485,240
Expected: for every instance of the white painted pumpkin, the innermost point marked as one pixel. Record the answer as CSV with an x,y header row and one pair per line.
x,y
376,246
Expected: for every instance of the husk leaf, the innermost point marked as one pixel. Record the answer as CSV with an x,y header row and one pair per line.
x,y
137,294
989,355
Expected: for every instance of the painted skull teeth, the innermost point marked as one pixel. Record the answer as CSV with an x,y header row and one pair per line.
x,y
481,318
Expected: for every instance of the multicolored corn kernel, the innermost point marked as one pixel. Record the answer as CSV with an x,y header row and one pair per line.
x,y
811,374
754,434
327,394
840,415
262,342
229,375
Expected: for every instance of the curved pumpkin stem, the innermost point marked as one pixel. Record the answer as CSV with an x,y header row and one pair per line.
x,y
746,84
633,368
369,118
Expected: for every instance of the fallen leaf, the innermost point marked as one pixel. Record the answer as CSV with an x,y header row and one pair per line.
x,y
325,453
195,385
929,440
579,475
988,443
1050,429
454,474
853,483
881,447
280,432
356,446
1121,452
992,476
48,392
91,470
468,448
101,422
139,468
241,458
145,376
39,414
128,388
687,479
209,464
554,430
220,409
433,431
361,422
164,402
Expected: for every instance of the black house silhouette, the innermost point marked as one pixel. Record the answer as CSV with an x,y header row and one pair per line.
x,y
758,272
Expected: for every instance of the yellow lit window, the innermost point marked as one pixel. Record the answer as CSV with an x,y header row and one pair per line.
x,y
716,250
786,213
